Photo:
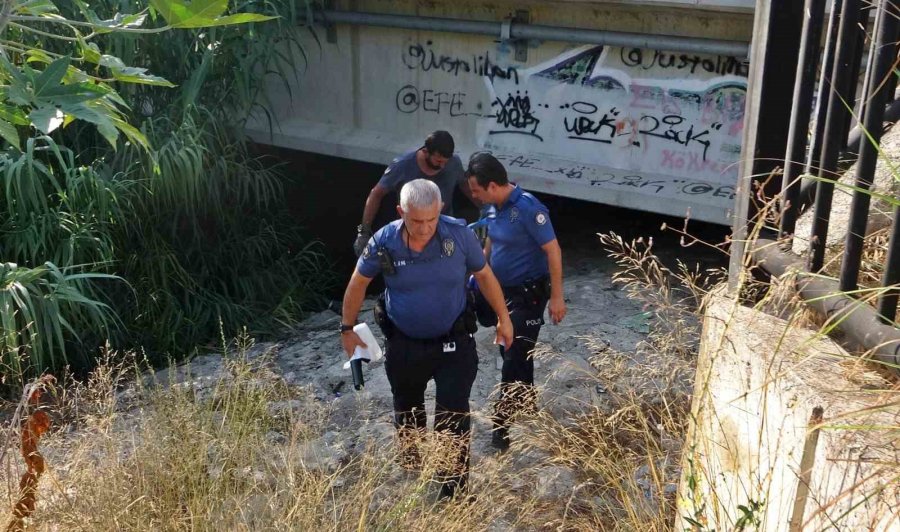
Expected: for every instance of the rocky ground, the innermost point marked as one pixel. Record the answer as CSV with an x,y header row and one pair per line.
x,y
601,318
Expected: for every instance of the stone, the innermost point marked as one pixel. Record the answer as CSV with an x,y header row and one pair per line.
x,y
554,483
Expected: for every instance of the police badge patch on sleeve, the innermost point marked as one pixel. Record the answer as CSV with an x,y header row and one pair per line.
x,y
540,218
448,246
366,253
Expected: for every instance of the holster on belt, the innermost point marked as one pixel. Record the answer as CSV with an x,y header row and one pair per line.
x,y
533,292
381,317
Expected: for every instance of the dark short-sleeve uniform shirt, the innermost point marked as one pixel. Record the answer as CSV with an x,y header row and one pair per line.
x,y
405,169
427,293
522,225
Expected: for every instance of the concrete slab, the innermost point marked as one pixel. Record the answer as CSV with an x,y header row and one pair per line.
x,y
755,460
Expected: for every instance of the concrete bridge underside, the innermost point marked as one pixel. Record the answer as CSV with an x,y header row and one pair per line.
x,y
643,128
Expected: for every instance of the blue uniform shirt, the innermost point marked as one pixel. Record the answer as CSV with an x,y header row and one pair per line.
x,y
405,168
428,291
521,227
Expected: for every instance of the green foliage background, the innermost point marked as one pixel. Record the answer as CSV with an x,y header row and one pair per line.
x,y
131,206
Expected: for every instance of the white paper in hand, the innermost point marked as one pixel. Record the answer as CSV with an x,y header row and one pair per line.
x,y
372,351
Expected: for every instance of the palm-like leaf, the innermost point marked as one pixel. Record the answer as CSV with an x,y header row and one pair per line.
x,y
45,312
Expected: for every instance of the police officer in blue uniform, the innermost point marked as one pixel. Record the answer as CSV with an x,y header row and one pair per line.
x,y
425,258
524,253
434,161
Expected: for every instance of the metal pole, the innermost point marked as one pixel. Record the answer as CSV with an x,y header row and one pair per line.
x,y
887,300
891,114
855,65
866,89
834,124
824,92
519,30
800,113
884,48
777,25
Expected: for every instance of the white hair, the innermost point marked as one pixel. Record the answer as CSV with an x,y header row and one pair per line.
x,y
419,194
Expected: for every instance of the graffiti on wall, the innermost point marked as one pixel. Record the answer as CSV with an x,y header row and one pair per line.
x,y
635,110
593,176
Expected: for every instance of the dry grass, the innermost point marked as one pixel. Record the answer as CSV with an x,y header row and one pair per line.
x,y
131,454
128,453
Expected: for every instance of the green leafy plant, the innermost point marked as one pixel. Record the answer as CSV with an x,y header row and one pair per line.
x,y
43,311
121,154
45,89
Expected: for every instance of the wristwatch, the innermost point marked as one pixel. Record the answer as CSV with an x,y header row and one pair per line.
x,y
346,328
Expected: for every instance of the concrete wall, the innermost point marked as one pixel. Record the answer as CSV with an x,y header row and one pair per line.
x,y
755,461
644,129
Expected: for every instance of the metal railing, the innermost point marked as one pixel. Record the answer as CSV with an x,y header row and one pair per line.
x,y
812,150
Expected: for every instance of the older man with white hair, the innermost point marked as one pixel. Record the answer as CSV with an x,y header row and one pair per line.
x,y
425,258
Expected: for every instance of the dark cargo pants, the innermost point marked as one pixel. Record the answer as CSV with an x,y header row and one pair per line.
x,y
410,363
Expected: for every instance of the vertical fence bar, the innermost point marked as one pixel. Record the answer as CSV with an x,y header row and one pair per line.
x,y
800,113
892,82
776,41
866,88
834,124
887,300
855,65
824,91
884,49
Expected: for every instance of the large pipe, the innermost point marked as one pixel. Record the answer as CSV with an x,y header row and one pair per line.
x,y
517,30
860,323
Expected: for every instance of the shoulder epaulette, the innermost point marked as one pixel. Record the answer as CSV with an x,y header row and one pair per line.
x,y
453,221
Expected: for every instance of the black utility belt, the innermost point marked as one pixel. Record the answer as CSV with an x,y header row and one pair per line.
x,y
536,289
464,324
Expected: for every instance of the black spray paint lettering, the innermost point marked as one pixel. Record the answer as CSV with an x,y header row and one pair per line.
x,y
722,65
410,99
670,127
514,115
523,162
583,127
637,181
520,161
655,186
424,58
700,188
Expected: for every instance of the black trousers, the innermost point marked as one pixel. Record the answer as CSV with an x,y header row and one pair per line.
x,y
517,377
410,363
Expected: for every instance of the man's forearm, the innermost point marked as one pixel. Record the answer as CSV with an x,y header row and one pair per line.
x,y
353,298
554,262
373,203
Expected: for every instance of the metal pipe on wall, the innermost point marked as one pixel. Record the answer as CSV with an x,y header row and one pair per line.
x,y
517,30
860,322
